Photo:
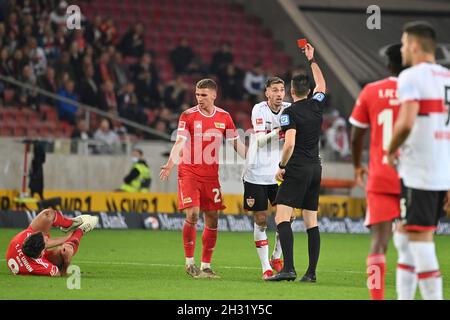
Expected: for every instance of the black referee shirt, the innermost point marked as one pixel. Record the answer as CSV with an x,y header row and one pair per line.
x,y
305,116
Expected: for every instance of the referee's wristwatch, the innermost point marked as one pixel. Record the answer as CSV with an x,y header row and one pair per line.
x,y
281,166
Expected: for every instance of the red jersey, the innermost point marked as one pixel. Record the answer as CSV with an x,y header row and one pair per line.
x,y
18,263
204,136
377,107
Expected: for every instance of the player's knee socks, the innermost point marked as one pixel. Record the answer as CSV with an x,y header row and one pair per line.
x,y
262,246
376,268
313,249
277,247
75,239
287,244
406,277
61,221
209,239
189,237
427,268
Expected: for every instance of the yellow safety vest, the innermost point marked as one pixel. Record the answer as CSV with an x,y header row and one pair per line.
x,y
142,181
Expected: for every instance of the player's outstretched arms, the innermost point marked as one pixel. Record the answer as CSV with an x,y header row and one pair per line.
x,y
174,158
317,73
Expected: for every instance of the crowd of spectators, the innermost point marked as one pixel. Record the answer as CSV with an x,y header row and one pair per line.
x,y
116,74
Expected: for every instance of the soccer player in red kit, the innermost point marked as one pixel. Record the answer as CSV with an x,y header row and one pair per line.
x,y
200,133
377,108
27,252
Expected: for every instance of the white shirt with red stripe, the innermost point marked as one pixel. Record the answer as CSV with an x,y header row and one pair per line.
x,y
425,155
262,162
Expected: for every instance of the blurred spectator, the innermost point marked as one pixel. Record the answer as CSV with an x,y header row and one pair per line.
x,y
337,139
109,33
6,66
76,60
12,25
119,70
94,33
127,97
67,111
175,93
81,131
48,42
103,73
145,78
231,79
108,99
58,16
165,121
28,97
48,83
107,138
221,58
18,63
254,82
182,56
64,69
132,43
37,57
88,89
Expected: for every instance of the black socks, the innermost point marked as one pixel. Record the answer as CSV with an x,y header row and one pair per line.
x,y
287,245
313,249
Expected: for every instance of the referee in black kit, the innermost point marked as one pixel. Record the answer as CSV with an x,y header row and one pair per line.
x,y
300,169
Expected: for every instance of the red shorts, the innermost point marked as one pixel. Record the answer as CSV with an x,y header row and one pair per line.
x,y
194,193
382,207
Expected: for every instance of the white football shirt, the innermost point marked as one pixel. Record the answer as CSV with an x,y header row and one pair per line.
x,y
425,155
261,163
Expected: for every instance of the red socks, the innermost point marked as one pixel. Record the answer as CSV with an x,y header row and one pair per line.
x,y
376,268
61,221
75,239
189,235
209,239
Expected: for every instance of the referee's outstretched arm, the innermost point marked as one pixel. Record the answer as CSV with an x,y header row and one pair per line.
x,y
317,73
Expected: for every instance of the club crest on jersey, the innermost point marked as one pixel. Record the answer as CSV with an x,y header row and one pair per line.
x,y
284,120
182,125
198,126
219,125
187,200
250,202
259,121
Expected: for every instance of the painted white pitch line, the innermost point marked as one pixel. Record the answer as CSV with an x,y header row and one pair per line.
x,y
180,265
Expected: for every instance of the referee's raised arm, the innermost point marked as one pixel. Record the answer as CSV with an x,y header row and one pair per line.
x,y
317,73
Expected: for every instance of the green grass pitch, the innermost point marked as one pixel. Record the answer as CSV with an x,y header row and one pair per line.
x,y
149,265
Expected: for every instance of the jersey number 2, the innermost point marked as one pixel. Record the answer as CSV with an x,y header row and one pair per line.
x,y
216,195
386,119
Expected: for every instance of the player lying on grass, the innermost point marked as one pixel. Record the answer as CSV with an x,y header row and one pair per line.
x,y
28,251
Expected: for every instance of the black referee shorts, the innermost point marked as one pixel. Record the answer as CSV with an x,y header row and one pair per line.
x,y
420,209
301,187
257,195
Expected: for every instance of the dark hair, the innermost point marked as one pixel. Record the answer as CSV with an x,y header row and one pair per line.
x,y
424,32
141,153
300,84
207,84
33,245
394,56
273,80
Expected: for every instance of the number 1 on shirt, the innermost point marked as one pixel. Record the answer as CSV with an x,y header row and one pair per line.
x,y
386,119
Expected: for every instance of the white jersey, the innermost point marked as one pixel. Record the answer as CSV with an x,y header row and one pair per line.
x,y
425,155
261,163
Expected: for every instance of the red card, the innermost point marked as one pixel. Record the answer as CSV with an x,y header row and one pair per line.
x,y
302,43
